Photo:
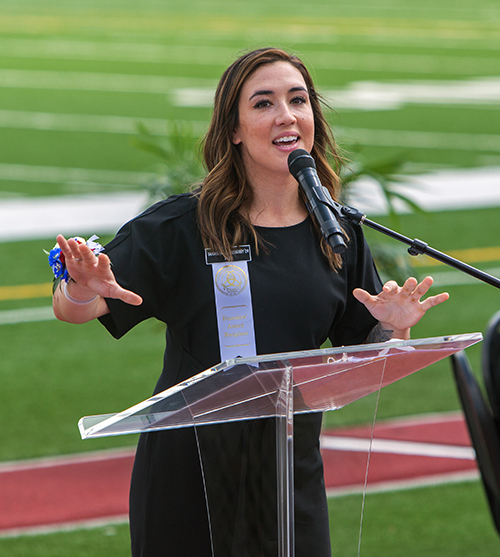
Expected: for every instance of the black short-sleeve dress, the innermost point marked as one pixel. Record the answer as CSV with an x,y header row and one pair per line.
x,y
298,303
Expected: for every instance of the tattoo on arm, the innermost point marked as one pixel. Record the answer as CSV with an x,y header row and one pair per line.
x,y
379,334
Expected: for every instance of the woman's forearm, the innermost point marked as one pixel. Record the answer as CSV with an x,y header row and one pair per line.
x,y
74,303
383,332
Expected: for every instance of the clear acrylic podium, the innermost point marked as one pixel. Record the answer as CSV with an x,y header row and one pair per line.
x,y
278,386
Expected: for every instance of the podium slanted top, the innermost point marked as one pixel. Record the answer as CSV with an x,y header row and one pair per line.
x,y
250,388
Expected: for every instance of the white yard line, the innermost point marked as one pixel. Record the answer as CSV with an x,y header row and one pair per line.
x,y
93,123
390,446
116,51
373,95
404,485
92,81
423,140
221,56
63,460
61,175
23,219
30,218
26,315
65,527
442,190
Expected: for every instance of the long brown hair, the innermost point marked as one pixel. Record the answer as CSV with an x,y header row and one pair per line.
x,y
225,196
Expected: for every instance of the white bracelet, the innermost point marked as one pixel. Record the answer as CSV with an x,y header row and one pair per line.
x,y
69,297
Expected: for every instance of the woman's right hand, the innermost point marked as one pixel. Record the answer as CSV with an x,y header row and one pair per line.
x,y
92,275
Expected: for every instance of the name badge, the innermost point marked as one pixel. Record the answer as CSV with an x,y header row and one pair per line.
x,y
233,302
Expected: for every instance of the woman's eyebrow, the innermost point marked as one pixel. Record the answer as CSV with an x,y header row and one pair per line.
x,y
263,92
269,92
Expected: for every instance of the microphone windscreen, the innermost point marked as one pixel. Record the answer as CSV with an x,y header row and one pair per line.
x,y
298,160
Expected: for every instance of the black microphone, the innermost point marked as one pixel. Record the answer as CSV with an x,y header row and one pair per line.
x,y
319,201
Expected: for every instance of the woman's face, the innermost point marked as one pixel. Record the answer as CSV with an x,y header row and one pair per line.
x,y
275,117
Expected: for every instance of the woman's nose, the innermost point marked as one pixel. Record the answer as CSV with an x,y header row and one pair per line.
x,y
285,115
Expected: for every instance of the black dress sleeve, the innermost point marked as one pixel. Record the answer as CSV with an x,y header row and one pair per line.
x,y
143,255
357,322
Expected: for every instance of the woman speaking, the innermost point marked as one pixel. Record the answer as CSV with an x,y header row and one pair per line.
x,y
249,213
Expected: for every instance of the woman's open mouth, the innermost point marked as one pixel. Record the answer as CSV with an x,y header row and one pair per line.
x,y
286,140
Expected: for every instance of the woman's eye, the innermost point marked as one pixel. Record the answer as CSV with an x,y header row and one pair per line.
x,y
262,104
299,100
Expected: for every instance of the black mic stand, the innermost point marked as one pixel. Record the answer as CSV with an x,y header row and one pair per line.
x,y
417,247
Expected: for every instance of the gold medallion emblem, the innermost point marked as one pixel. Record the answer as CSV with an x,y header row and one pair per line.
x,y
231,280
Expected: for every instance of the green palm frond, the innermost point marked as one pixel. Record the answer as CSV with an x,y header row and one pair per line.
x,y
178,168
387,173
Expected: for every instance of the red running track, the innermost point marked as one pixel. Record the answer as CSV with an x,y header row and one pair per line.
x,y
61,493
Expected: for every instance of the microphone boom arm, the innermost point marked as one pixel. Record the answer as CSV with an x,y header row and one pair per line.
x,y
417,247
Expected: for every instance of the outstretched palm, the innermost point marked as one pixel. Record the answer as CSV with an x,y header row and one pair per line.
x,y
93,272
400,307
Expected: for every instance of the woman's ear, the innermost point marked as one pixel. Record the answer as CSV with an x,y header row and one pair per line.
x,y
236,137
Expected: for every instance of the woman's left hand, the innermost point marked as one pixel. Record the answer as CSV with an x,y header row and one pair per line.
x,y
398,308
